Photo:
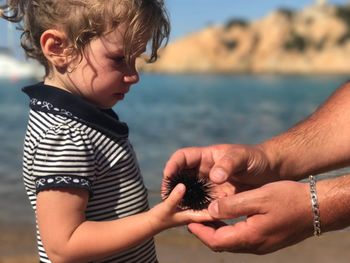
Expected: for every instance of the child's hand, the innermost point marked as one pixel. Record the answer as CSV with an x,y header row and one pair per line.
x,y
167,214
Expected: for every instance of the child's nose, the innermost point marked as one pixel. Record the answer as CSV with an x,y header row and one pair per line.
x,y
132,76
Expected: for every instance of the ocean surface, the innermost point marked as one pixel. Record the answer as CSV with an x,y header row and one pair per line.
x,y
167,112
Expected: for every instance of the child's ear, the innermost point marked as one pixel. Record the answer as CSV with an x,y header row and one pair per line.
x,y
55,47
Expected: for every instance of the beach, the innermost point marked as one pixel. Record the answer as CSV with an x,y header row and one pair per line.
x,y
17,245
182,110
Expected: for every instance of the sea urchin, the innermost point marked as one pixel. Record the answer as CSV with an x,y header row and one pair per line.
x,y
198,189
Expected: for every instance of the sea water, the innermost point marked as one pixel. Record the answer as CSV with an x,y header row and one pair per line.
x,y
167,112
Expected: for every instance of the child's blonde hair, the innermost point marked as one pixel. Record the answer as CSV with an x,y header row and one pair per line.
x,y
83,20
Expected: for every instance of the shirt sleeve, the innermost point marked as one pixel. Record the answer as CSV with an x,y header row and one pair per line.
x,y
65,158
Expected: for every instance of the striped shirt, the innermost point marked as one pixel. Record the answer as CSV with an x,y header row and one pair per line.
x,y
71,143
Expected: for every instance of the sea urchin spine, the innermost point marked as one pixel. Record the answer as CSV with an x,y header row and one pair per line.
x,y
198,189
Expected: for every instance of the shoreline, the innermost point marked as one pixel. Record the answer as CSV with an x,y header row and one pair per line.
x,y
185,248
17,245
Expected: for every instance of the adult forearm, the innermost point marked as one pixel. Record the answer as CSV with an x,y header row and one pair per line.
x,y
334,203
319,143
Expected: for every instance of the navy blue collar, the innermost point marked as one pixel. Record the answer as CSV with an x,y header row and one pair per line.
x,y
53,100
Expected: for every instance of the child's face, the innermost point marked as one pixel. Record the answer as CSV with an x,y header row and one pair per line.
x,y
102,76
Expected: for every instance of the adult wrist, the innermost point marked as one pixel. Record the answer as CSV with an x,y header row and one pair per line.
x,y
315,206
270,152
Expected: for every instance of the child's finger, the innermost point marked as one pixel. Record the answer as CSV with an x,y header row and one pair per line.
x,y
195,216
176,195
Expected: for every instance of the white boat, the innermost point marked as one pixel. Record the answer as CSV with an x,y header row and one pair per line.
x,y
15,69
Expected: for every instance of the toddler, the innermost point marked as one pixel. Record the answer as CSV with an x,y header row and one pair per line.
x,y
80,171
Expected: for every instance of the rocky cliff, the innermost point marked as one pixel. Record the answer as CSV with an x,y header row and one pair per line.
x,y
313,40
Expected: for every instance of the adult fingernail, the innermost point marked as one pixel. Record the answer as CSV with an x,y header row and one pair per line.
x,y
219,175
214,208
189,230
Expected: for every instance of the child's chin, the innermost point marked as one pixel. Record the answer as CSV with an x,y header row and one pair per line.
x,y
118,96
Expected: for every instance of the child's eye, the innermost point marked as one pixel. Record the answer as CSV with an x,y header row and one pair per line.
x,y
119,60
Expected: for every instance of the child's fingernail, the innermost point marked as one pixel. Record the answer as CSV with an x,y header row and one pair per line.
x,y
219,175
180,188
214,208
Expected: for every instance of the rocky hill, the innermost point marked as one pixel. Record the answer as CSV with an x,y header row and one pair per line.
x,y
314,40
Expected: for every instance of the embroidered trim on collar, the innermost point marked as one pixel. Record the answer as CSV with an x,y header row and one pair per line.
x,y
48,106
53,100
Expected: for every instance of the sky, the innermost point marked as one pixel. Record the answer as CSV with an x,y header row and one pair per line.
x,y
188,16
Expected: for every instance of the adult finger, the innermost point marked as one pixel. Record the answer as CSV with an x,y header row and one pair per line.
x,y
184,158
232,162
233,206
204,232
234,238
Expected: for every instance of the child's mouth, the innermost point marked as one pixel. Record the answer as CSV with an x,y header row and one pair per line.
x,y
119,96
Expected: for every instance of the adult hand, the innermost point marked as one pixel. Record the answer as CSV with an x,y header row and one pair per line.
x,y
278,215
238,164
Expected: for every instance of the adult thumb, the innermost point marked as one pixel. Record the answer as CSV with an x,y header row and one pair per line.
x,y
218,174
234,206
232,162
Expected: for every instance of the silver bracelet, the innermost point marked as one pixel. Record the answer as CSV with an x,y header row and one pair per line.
x,y
315,207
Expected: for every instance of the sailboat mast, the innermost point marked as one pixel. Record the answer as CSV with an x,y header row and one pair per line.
x,y
10,37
